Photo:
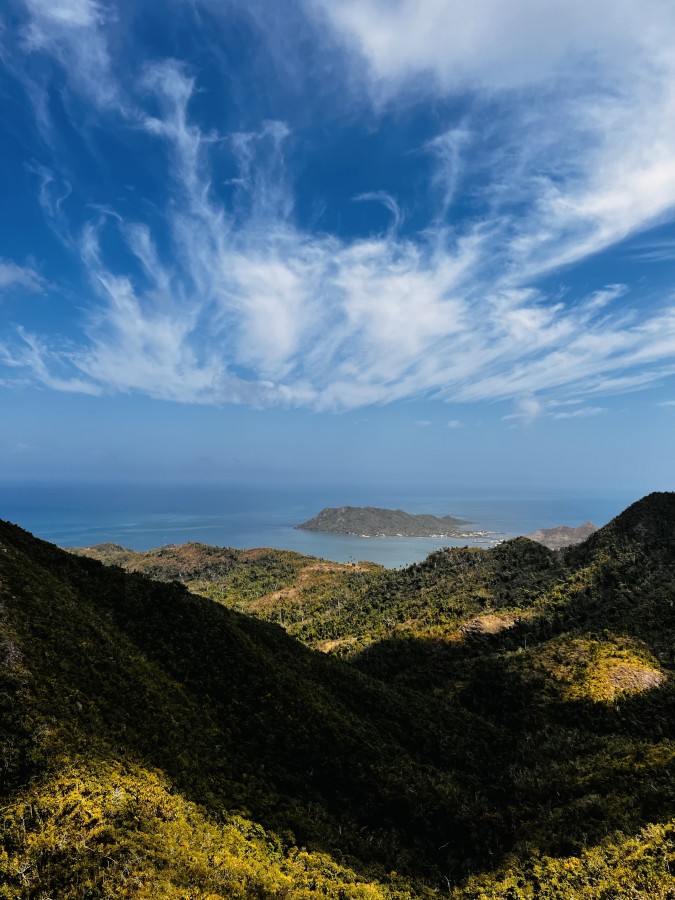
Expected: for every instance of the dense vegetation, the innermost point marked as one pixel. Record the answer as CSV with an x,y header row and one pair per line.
x,y
343,608
502,725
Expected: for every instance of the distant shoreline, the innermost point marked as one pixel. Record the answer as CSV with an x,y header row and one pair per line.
x,y
472,535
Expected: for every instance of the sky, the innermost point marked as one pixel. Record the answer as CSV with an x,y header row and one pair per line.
x,y
350,241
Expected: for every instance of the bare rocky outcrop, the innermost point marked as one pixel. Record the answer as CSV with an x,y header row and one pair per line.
x,y
563,535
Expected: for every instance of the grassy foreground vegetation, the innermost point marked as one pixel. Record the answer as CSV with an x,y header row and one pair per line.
x,y
487,724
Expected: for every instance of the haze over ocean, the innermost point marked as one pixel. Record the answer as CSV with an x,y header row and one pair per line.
x,y
142,517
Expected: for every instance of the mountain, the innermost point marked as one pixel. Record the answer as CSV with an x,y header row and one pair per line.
x,y
516,740
369,521
563,535
139,719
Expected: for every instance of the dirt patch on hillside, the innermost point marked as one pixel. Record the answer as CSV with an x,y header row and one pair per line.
x,y
624,678
490,623
332,646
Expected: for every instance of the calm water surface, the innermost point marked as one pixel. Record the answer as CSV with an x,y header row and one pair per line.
x,y
145,517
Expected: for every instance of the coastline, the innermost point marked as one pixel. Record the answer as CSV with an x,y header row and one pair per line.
x,y
146,517
450,535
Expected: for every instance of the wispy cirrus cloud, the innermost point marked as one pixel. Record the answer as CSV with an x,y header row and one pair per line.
x,y
587,103
582,413
232,300
73,33
527,409
45,365
15,276
388,202
654,251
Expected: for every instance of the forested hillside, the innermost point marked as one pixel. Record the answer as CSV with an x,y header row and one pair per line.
x,y
500,724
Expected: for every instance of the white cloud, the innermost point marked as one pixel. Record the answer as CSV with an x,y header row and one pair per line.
x,y
32,355
73,33
423,423
600,299
244,306
580,98
13,275
455,423
654,251
251,309
527,408
581,413
388,202
492,44
447,151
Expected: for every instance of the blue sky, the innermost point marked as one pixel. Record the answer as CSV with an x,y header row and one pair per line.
x,y
356,240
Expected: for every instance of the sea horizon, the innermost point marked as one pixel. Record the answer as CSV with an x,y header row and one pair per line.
x,y
142,517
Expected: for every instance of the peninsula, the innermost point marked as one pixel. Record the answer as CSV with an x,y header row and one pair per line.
x,y
370,521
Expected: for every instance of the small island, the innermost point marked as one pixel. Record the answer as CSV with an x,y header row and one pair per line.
x,y
370,521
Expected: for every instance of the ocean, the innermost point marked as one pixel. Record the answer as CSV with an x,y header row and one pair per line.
x,y
142,517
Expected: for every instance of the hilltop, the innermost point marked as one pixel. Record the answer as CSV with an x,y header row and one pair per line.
x,y
502,726
370,521
563,535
